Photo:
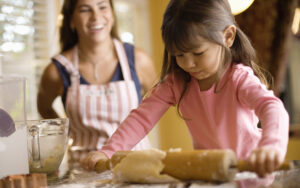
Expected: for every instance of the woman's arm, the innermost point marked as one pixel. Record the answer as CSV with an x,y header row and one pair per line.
x,y
145,70
50,87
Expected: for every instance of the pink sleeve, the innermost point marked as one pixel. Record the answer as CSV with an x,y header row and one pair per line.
x,y
269,109
141,120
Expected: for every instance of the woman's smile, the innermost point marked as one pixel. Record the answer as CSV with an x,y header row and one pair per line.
x,y
96,28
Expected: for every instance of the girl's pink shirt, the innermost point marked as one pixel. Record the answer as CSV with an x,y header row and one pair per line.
x,y
224,120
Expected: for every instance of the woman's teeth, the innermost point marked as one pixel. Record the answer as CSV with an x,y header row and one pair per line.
x,y
97,27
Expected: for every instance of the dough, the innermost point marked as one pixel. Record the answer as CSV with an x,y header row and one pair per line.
x,y
142,167
207,165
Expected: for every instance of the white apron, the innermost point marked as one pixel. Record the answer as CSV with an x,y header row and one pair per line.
x,y
96,111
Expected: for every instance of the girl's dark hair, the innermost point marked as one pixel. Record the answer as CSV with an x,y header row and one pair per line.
x,y
185,20
68,36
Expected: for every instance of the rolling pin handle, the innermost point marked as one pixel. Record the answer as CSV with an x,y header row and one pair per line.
x,y
243,165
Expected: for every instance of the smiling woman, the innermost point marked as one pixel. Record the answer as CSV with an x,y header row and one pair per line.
x,y
99,78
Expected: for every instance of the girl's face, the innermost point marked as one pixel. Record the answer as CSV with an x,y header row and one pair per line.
x,y
93,20
202,62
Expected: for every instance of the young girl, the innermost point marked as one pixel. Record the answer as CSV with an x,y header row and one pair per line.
x,y
209,73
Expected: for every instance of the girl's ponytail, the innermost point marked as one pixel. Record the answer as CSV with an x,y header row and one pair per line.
x,y
243,52
242,49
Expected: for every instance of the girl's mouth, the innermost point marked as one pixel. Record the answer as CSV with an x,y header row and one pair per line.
x,y
195,73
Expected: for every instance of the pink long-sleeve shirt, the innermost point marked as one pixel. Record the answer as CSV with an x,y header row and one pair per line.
x,y
226,119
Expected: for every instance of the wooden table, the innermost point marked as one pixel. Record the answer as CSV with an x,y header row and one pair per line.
x,y
80,178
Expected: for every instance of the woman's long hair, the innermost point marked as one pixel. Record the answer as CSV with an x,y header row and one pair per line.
x,y
68,36
185,20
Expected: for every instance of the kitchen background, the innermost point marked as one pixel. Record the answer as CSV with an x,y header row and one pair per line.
x,y
29,37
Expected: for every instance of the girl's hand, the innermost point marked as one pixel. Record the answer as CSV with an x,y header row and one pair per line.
x,y
90,160
264,160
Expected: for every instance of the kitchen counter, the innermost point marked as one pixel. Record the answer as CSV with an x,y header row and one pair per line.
x,y
80,178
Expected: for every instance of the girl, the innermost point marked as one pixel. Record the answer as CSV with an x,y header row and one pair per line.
x,y
209,72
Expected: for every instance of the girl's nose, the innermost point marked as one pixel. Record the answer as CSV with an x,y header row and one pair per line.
x,y
190,63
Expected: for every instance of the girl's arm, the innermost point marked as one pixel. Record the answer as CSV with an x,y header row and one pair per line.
x,y
274,119
50,87
133,129
269,109
141,120
137,125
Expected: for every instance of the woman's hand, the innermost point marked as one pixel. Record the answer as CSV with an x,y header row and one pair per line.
x,y
92,158
264,160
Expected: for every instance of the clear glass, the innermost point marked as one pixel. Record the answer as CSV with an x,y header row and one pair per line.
x,y
13,146
47,142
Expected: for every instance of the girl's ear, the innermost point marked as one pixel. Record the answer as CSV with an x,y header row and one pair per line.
x,y
229,35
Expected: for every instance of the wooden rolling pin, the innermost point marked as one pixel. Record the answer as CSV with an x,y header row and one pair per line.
x,y
207,165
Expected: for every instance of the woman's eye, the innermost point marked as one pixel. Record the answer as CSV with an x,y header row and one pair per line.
x,y
103,7
84,10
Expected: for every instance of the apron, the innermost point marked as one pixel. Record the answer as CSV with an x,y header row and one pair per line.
x,y
96,111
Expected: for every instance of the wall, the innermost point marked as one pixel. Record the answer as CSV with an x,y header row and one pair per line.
x,y
294,76
172,130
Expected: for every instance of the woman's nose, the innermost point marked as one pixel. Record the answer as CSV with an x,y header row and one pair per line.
x,y
95,15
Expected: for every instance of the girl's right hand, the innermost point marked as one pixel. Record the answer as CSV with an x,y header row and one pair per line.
x,y
265,160
94,158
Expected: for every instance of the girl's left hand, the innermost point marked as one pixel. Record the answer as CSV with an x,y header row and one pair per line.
x,y
264,160
92,158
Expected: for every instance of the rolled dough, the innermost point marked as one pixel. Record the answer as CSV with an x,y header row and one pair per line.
x,y
142,167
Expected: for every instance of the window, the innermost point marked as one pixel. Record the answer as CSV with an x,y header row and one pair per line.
x,y
16,26
27,41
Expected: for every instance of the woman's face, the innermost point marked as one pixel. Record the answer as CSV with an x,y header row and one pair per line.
x,y
93,20
202,62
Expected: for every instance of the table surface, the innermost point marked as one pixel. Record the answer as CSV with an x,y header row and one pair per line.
x,y
80,178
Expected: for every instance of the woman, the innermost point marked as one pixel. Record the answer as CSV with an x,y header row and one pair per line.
x,y
99,78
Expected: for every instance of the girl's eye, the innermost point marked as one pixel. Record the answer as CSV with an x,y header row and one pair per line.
x,y
198,53
179,55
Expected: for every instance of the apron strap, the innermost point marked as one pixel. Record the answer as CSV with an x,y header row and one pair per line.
x,y
72,70
123,59
66,63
